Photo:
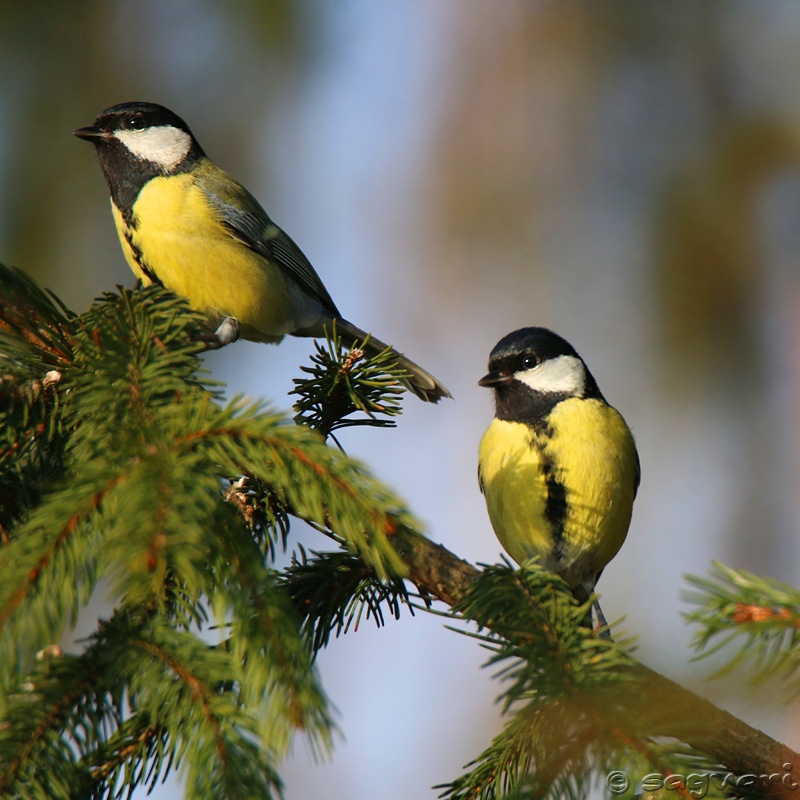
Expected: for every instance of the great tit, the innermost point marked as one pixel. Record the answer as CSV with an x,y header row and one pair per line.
x,y
187,225
558,466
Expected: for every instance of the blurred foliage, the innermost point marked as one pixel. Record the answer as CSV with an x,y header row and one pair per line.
x,y
761,614
709,249
575,140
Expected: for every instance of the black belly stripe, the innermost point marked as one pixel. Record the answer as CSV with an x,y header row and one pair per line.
x,y
555,509
139,259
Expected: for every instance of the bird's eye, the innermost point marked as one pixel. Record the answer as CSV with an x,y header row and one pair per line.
x,y
136,124
529,362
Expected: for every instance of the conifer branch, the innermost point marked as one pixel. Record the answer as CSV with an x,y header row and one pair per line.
x,y
27,578
118,462
640,705
35,317
735,604
132,743
333,591
343,384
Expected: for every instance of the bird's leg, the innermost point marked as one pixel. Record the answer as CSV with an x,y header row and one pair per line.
x,y
226,333
602,625
583,592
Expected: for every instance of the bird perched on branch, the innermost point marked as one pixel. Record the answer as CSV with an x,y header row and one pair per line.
x,y
558,465
187,225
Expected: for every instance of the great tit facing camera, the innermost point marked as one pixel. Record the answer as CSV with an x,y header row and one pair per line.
x,y
558,466
187,225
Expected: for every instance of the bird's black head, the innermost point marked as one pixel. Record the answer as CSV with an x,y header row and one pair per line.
x,y
533,369
139,141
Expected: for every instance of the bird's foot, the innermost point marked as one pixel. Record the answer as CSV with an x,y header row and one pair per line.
x,y
226,333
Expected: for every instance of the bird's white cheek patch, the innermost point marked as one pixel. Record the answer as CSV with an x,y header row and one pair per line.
x,y
163,145
562,375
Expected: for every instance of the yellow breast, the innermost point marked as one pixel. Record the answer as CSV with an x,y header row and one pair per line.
x,y
177,236
564,493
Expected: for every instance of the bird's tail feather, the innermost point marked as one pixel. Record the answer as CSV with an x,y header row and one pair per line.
x,y
419,381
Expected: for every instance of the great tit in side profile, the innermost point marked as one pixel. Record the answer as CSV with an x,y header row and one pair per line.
x,y
187,225
558,465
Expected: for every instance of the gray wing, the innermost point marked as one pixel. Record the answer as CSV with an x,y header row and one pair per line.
x,y
254,229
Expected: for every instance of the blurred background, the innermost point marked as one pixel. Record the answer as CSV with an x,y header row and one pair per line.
x,y
623,172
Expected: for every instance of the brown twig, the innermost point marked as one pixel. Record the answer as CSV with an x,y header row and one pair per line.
x,y
650,701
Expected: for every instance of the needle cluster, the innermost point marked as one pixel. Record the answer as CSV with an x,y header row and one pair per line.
x,y
132,492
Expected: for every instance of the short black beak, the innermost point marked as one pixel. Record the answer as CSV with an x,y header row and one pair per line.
x,y
493,379
92,134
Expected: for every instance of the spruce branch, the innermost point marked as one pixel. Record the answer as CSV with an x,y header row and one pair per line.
x,y
37,710
138,473
334,591
558,677
31,442
260,508
642,704
344,383
136,753
179,685
179,502
34,325
736,604
267,644
35,346
312,481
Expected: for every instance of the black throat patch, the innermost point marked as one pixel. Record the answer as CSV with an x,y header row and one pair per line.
x,y
515,402
126,175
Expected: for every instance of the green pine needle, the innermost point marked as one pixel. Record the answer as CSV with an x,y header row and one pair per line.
x,y
344,383
121,463
561,684
736,604
334,591
123,466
